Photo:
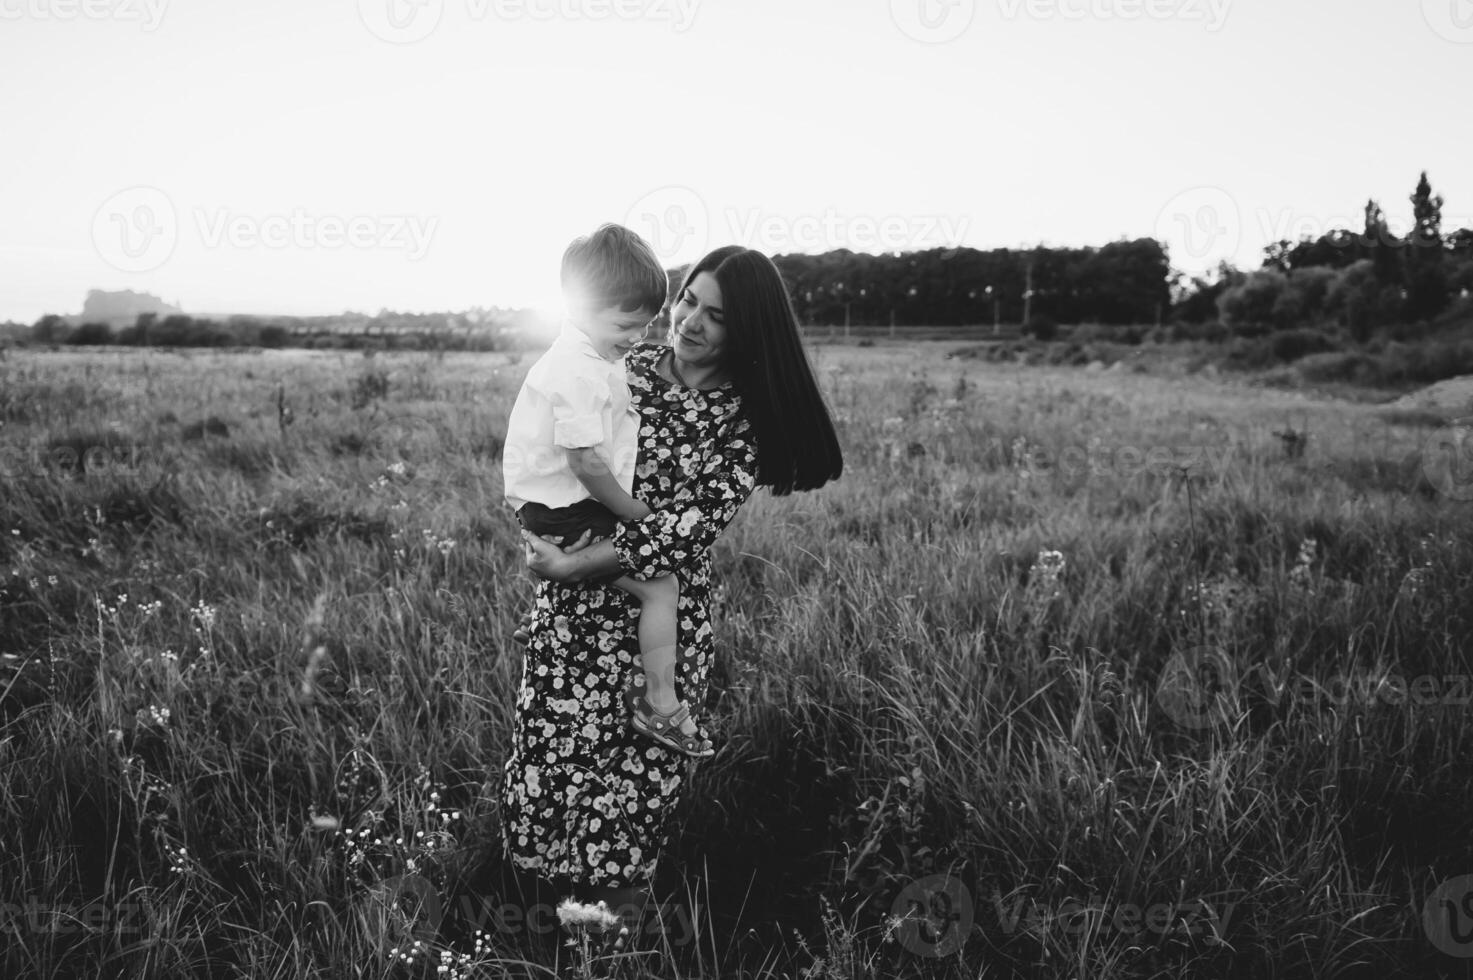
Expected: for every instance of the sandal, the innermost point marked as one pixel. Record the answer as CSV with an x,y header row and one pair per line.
x,y
663,728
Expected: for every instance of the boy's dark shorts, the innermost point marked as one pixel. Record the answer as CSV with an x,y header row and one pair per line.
x,y
570,522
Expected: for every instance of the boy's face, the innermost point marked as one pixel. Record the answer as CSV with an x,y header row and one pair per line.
x,y
613,331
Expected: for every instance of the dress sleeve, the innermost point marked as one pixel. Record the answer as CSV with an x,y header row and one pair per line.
x,y
672,539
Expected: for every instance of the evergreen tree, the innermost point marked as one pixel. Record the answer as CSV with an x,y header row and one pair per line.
x,y
1426,270
1381,246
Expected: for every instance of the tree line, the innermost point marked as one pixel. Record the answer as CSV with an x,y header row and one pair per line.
x,y
1357,280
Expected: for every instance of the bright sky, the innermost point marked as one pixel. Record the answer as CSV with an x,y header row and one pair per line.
x,y
312,156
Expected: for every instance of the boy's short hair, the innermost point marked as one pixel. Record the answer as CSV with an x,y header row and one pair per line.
x,y
613,267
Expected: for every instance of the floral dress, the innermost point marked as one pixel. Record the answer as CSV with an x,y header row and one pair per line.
x,y
582,795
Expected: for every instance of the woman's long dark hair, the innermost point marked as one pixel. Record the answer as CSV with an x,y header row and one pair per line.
x,y
797,448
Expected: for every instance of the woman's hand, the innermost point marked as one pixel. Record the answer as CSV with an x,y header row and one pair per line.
x,y
547,559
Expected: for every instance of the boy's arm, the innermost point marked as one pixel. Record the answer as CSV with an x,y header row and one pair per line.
x,y
591,470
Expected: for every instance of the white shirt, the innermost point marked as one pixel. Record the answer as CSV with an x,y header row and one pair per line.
x,y
571,399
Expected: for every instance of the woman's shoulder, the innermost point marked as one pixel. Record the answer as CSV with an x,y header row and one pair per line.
x,y
640,363
645,352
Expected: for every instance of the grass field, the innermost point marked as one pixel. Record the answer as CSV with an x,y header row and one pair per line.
x,y
1074,674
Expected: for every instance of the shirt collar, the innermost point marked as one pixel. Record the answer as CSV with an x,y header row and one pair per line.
x,y
578,340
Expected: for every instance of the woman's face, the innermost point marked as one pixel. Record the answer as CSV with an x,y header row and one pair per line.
x,y
698,323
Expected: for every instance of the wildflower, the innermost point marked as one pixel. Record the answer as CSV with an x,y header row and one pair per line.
x,y
595,918
204,613
1299,575
1043,577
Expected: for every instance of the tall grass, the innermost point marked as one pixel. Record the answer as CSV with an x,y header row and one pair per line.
x,y
258,681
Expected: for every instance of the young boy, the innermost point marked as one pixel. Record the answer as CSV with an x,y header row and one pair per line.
x,y
571,444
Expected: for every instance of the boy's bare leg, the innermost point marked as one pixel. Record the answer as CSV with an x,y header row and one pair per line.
x,y
659,600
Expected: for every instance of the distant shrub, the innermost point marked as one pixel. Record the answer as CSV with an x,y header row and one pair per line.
x,y
1250,354
1397,366
1212,331
1042,327
92,334
1347,367
1249,305
1291,345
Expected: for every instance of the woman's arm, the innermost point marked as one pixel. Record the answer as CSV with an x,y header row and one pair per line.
x,y
667,540
578,561
672,539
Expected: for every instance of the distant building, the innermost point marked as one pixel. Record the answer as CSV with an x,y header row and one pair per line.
x,y
121,309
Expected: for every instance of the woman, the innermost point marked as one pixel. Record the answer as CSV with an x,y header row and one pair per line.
x,y
732,404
